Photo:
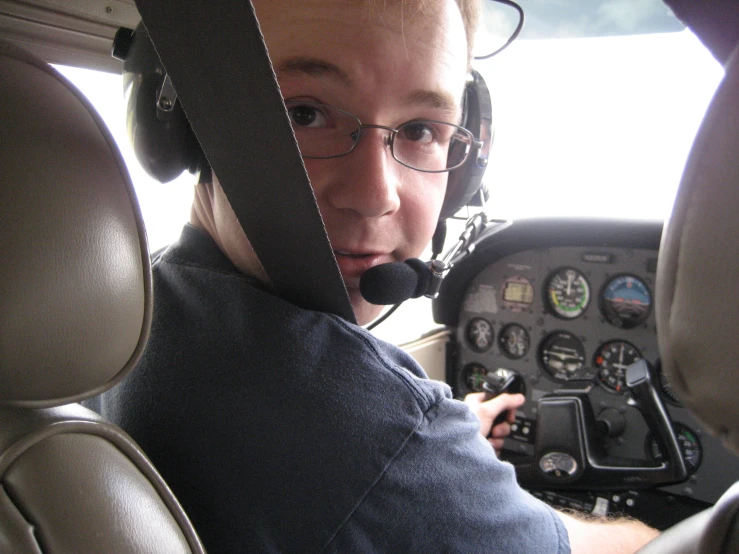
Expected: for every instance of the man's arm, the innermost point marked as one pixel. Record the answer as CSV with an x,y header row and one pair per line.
x,y
587,533
605,536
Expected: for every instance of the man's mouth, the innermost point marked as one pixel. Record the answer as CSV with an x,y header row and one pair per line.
x,y
354,264
350,254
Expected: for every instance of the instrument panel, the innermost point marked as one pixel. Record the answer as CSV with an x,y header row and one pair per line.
x,y
559,314
572,304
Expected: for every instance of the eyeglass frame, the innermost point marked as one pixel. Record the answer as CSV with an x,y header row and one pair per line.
x,y
475,144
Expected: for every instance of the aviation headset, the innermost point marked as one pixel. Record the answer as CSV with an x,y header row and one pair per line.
x,y
165,144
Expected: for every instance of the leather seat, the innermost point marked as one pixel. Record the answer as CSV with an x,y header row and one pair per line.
x,y
697,306
75,311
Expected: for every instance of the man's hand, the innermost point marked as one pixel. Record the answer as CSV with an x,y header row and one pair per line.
x,y
487,412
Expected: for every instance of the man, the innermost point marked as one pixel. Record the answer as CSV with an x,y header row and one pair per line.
x,y
281,429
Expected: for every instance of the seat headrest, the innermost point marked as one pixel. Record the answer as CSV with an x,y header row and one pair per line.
x,y
75,279
697,306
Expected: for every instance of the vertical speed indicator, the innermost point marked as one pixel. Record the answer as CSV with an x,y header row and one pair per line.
x,y
568,293
611,361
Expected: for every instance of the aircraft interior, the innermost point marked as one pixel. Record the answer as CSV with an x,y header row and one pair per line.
x,y
619,335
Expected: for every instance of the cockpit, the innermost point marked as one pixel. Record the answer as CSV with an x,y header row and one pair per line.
x,y
548,275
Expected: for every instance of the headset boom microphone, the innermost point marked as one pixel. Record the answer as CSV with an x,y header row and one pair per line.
x,y
395,282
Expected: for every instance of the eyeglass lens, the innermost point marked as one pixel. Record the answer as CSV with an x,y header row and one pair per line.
x,y
327,132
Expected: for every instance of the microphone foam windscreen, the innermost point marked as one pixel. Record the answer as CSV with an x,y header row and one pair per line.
x,y
395,282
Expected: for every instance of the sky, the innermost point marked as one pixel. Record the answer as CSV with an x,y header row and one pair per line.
x,y
596,127
583,127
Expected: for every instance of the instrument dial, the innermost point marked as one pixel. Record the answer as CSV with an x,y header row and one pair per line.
x,y
472,377
517,294
563,356
626,301
514,341
568,293
689,444
480,334
611,362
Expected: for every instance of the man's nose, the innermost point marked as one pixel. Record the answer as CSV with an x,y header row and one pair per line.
x,y
370,178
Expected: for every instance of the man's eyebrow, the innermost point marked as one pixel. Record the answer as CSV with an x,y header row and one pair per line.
x,y
433,99
314,67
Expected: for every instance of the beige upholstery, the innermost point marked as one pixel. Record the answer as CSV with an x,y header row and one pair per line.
x,y
697,308
698,274
75,311
72,279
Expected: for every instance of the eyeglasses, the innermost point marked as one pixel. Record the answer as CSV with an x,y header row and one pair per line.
x,y
422,144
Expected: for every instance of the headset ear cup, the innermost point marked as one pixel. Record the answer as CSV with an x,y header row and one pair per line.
x,y
165,147
465,182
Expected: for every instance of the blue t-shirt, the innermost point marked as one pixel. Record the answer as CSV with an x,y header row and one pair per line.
x,y
286,430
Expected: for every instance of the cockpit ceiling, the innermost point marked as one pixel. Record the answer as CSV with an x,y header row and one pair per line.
x,y
77,33
80,32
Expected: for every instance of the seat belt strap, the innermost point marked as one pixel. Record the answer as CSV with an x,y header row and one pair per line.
x,y
241,122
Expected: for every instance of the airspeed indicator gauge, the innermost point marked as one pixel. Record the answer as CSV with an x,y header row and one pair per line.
x,y
568,293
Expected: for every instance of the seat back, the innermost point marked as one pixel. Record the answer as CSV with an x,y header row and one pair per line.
x,y
75,312
696,307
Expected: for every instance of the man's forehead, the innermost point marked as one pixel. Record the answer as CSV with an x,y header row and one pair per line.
x,y
320,68
313,67
394,15
358,45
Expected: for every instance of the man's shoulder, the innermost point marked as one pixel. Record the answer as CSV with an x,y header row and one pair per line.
x,y
245,325
232,316
292,384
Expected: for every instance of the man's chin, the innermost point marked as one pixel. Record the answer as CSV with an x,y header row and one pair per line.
x,y
363,310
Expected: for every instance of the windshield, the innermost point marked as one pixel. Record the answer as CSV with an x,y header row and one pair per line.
x,y
595,127
587,127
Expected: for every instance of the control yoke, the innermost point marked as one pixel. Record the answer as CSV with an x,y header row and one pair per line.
x,y
569,449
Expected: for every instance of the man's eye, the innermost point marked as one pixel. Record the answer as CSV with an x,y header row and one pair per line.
x,y
307,116
417,132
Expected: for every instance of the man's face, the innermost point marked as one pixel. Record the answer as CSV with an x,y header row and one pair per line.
x,y
386,66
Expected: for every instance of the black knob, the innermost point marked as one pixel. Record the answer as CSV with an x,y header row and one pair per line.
x,y
611,422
